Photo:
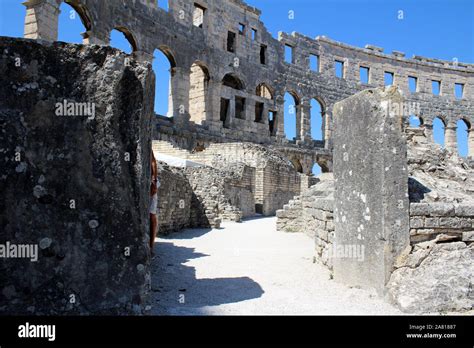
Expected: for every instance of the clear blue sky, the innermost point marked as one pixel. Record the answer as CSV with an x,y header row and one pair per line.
x,y
441,29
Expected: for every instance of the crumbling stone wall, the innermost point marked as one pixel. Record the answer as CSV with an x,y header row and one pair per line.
x,y
74,184
275,181
313,213
429,220
190,46
225,194
175,196
435,273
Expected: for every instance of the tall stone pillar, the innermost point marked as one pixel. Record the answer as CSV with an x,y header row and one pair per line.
x,y
305,121
41,20
231,113
179,95
450,138
327,129
371,188
298,114
280,118
470,153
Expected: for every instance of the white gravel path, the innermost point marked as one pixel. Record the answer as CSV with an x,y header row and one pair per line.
x,y
249,269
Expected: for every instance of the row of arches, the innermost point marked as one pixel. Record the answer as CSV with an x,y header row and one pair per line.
x,y
74,19
464,135
317,114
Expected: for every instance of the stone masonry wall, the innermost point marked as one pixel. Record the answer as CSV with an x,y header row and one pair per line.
x,y
312,213
222,194
175,196
74,184
275,181
187,44
429,220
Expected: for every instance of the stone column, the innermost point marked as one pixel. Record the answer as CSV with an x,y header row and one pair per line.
x,y
179,95
298,114
470,153
327,129
230,113
41,21
450,138
305,122
371,212
280,118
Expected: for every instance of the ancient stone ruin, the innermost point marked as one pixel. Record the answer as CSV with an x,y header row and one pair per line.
x,y
391,211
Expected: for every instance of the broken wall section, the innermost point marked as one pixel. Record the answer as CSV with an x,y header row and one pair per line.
x,y
175,197
312,213
74,180
435,273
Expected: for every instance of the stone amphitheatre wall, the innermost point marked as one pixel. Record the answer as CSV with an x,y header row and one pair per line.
x,y
274,180
212,59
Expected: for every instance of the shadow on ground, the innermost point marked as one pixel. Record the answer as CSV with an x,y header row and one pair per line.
x,y
177,291
186,234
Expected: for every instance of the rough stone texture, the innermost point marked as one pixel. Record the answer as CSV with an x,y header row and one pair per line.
x,y
204,196
273,179
47,161
199,64
221,194
371,186
437,174
428,220
175,197
200,60
435,278
312,213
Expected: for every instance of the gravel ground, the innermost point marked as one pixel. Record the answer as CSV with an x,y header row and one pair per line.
x,y
249,269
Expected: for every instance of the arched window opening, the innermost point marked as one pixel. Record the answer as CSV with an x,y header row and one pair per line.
x,y
415,122
163,64
291,106
439,130
264,91
297,165
232,81
463,132
73,22
317,169
317,120
122,39
199,82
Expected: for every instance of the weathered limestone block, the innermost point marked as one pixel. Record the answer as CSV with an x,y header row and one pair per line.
x,y
468,236
466,210
439,279
75,184
371,186
431,209
416,222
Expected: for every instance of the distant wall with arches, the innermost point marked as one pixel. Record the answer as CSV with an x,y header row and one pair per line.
x,y
208,41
